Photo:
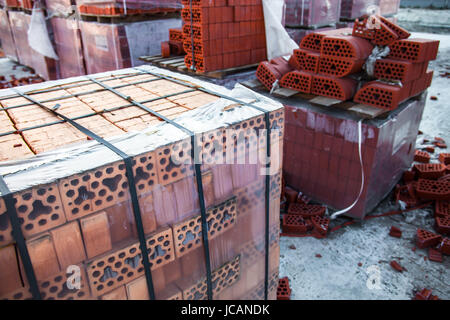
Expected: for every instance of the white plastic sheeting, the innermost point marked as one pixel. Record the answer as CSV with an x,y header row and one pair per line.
x,y
38,37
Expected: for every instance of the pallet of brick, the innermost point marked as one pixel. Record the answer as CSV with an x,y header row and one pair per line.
x,y
6,38
109,46
322,159
311,13
335,64
352,9
113,8
47,68
68,45
60,8
223,35
76,195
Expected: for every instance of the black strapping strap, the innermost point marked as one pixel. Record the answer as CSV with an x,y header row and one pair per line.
x,y
131,183
194,67
19,238
268,164
198,175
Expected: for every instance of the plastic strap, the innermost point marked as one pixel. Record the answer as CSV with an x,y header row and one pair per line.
x,y
268,150
131,183
338,213
19,238
197,173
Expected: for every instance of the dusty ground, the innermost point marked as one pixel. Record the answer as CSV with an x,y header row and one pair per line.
x,y
9,68
337,275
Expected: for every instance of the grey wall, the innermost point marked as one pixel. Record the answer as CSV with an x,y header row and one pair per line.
x,y
441,4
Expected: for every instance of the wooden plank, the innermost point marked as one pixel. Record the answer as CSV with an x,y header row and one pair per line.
x,y
284,93
171,61
325,101
368,112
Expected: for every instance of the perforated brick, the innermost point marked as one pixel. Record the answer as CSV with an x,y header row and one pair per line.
x,y
404,71
249,196
283,291
384,35
426,239
188,234
226,276
173,162
106,186
294,224
313,41
347,47
297,80
380,95
268,72
306,210
443,158
39,209
414,50
422,156
176,34
442,208
320,224
444,246
434,255
336,88
430,171
339,67
401,33
363,28
307,60
433,190
443,224
113,270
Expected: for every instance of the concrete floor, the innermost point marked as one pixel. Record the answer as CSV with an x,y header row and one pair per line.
x,y
9,68
337,275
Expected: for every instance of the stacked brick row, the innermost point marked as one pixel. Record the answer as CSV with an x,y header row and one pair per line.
x,y
321,157
127,7
327,62
86,219
175,44
223,34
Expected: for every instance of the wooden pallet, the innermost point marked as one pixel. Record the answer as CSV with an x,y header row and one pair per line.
x,y
129,18
177,64
364,111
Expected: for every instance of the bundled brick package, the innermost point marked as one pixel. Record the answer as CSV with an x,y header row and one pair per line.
x,y
47,68
311,13
69,48
6,38
70,189
322,160
352,9
114,46
127,7
60,7
221,35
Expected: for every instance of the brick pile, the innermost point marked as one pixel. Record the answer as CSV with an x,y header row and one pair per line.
x,y
175,44
225,34
330,63
84,218
126,7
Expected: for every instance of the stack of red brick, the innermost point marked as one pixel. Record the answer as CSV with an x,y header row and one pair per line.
x,y
24,4
426,182
175,44
225,34
303,218
126,7
328,64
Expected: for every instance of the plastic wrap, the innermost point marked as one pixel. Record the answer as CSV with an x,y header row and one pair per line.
x,y
60,8
82,185
6,36
38,36
115,46
308,13
352,9
68,47
278,41
127,7
326,142
45,67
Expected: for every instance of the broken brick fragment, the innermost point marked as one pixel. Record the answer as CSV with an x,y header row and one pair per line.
x,y
443,224
434,255
320,224
430,171
396,266
444,158
395,232
430,149
422,156
426,239
318,255
444,246
424,294
291,194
